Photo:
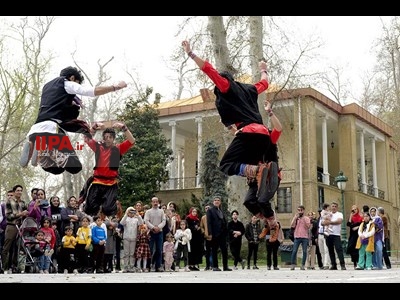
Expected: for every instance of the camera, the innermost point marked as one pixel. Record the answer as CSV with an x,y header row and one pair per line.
x,y
44,203
353,211
301,214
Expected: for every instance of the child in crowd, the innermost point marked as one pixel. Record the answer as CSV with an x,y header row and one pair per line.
x,y
83,245
168,250
326,215
110,246
57,246
182,245
131,221
49,234
99,237
42,251
67,255
143,248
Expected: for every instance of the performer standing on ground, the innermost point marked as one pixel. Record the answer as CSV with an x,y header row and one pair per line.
x,y
252,153
101,190
58,113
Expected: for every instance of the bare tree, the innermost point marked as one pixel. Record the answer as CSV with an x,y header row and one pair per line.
x,y
23,67
336,84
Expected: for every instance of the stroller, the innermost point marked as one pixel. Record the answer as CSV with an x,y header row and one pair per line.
x,y
28,260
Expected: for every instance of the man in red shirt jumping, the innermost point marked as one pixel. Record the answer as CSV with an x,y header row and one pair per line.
x,y
100,191
253,151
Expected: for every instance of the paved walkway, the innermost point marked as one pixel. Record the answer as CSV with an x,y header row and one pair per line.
x,y
284,275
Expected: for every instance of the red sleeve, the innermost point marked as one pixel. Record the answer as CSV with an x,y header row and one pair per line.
x,y
221,82
91,143
275,134
124,147
261,86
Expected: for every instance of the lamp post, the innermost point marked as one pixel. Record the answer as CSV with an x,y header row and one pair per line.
x,y
341,183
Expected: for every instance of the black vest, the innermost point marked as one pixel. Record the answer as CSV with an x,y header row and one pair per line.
x,y
114,158
56,103
238,104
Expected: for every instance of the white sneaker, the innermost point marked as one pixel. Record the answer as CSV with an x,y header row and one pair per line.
x,y
75,271
187,269
65,271
46,272
41,272
26,153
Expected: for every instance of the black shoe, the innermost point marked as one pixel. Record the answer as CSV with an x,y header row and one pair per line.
x,y
227,269
388,267
343,267
195,269
255,267
268,268
276,268
333,268
248,267
216,269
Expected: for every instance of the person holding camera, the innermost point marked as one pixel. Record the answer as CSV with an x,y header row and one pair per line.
x,y
302,224
39,207
131,221
355,219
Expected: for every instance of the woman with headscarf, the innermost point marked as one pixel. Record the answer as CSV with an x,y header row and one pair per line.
x,y
39,208
196,243
355,219
55,210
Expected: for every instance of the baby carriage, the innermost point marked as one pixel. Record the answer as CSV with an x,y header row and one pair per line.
x,y
27,252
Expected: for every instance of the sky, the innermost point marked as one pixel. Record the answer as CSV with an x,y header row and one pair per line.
x,y
145,42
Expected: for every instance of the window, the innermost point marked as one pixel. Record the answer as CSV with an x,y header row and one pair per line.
x,y
284,200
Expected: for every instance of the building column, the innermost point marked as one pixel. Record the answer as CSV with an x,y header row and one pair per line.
x,y
172,175
325,163
362,164
374,176
199,121
179,171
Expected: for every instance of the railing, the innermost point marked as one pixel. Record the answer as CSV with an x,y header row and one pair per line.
x,y
371,190
320,178
370,187
180,183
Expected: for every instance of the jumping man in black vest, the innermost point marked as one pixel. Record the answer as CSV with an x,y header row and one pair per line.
x,y
58,113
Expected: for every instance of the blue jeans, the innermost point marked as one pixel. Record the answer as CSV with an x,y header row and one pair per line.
x,y
44,262
378,255
156,246
304,244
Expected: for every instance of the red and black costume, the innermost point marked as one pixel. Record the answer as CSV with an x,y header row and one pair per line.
x,y
237,103
102,187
